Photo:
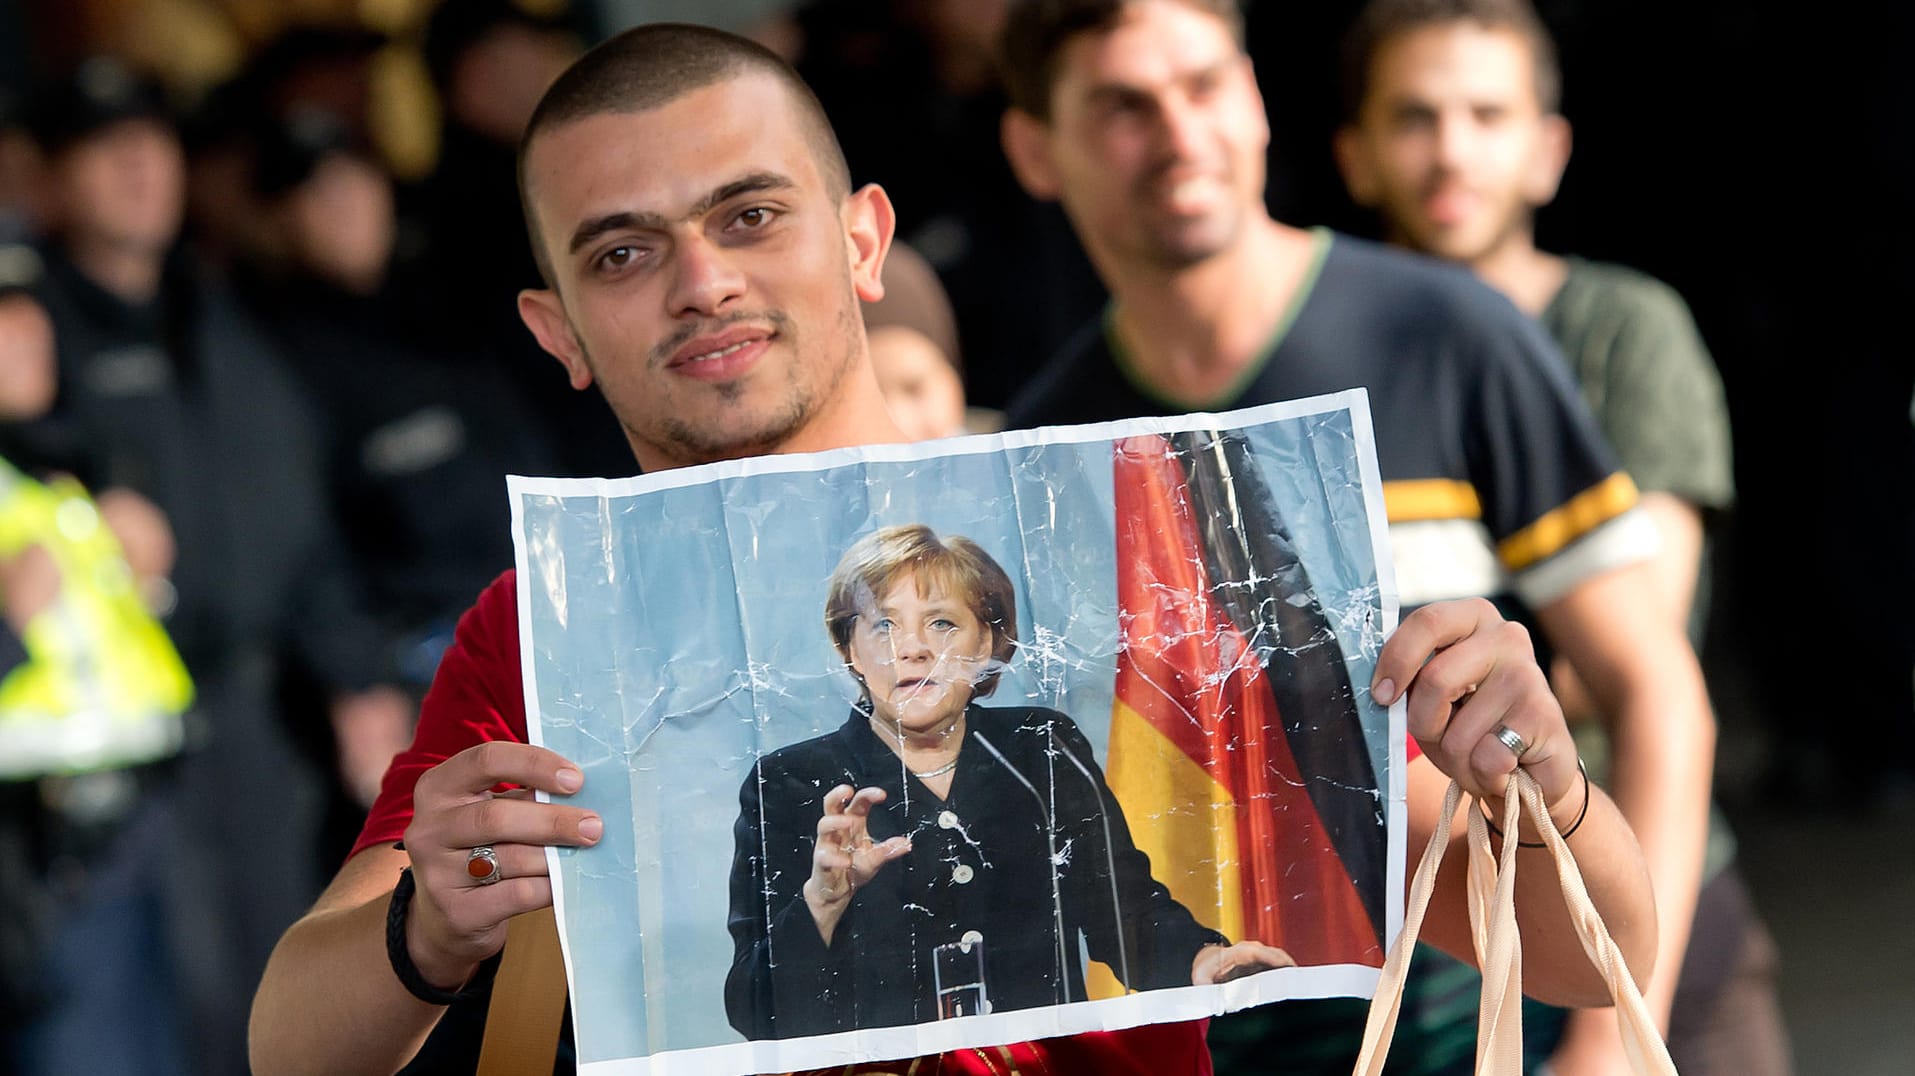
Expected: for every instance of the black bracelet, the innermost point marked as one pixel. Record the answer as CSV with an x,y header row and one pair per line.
x,y
401,957
1580,815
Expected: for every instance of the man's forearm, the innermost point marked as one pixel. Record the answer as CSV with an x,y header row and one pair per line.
x,y
1555,967
1647,688
329,1002
1662,771
1665,769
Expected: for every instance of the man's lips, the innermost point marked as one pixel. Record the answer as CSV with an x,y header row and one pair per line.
x,y
1186,192
1448,205
720,356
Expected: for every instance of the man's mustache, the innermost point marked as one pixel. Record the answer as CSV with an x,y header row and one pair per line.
x,y
663,351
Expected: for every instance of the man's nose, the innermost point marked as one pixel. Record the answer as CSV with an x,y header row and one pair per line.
x,y
705,278
1181,128
1454,140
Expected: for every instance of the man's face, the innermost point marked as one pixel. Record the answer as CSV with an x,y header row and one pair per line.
x,y
921,387
1451,145
706,276
340,221
1156,140
496,85
123,186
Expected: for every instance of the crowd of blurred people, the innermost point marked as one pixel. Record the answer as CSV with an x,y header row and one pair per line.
x,y
286,381
310,424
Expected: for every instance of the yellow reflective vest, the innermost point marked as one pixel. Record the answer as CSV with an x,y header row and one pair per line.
x,y
102,686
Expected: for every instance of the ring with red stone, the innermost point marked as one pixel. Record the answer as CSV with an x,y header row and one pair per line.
x,y
482,864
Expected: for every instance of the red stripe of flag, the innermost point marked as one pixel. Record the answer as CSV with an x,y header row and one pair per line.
x,y
1185,667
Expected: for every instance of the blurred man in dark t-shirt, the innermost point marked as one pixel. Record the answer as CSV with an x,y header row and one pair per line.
x,y
1144,120
1452,134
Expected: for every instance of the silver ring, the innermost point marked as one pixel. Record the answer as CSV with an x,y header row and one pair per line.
x,y
482,865
1511,739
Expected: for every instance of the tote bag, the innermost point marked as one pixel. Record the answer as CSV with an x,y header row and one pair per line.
x,y
1492,912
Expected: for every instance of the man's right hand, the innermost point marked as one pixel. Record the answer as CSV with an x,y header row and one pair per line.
x,y
455,921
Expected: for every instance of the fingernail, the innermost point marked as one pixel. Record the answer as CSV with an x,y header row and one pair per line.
x,y
1384,691
591,827
569,780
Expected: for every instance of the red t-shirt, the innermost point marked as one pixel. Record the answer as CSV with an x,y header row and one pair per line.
x,y
478,695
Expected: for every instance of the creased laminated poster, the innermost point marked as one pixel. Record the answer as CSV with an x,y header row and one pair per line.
x,y
1073,709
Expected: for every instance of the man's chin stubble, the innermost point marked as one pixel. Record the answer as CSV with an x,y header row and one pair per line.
x,y
691,444
1170,252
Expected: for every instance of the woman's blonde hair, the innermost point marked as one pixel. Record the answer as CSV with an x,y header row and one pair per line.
x,y
955,565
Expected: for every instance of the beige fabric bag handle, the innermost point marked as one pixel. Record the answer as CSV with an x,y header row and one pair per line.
x,y
523,1019
1492,908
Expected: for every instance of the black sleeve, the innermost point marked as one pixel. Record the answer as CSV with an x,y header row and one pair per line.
x,y
1535,448
55,443
13,651
333,632
784,981
1159,937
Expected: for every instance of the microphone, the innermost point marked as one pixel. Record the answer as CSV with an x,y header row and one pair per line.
x,y
1050,840
1110,857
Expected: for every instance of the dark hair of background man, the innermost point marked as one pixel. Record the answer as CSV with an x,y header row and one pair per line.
x,y
1385,20
1037,31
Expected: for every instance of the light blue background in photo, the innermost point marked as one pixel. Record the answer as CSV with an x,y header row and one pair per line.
x,y
676,634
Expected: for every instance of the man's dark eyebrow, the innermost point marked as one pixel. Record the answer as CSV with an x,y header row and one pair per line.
x,y
1114,92
752,183
1124,91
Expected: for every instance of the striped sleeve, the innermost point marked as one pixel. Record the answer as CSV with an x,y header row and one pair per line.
x,y
1557,505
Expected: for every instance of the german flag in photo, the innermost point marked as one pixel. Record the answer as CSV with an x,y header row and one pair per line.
x,y
1236,748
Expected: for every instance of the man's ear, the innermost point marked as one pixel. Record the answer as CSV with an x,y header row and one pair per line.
x,y
870,222
1551,158
1027,145
542,313
1353,160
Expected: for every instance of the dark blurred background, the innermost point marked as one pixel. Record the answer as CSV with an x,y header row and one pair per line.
x,y
1758,157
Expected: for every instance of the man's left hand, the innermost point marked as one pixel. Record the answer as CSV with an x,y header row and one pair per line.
x,y
1468,673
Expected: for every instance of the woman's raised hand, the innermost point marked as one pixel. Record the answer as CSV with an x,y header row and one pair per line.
x,y
845,857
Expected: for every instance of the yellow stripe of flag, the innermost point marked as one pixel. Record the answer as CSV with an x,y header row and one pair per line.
x,y
1183,819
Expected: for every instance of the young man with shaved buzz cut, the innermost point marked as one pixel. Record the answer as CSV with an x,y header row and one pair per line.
x,y
1451,133
1144,120
706,258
